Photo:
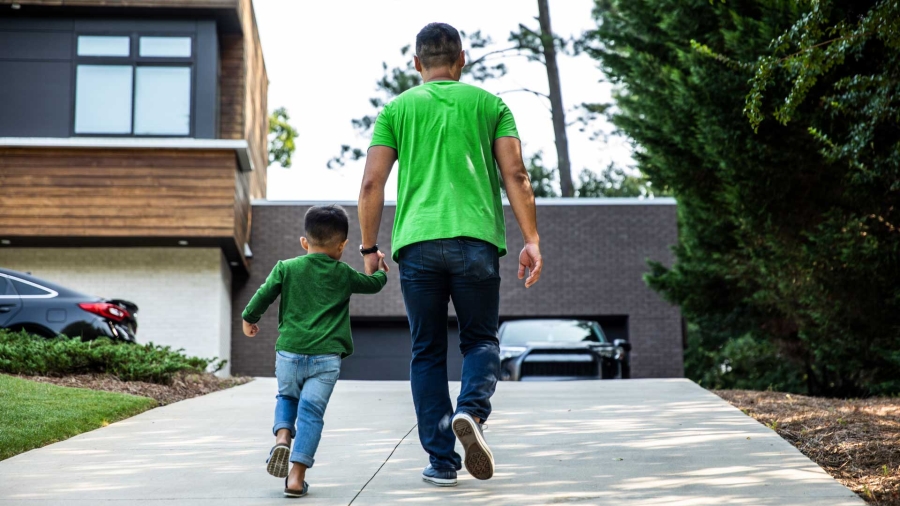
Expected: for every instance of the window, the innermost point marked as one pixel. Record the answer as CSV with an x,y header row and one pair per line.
x,y
179,47
103,99
104,46
29,290
133,85
162,101
6,290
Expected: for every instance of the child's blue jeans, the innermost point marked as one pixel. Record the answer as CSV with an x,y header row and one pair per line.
x,y
305,383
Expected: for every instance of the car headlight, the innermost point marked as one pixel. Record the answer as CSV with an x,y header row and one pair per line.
x,y
507,352
620,353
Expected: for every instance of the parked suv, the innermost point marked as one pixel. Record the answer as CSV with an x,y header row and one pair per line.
x,y
560,350
43,308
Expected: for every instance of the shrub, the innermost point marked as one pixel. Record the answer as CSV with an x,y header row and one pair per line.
x,y
23,353
746,363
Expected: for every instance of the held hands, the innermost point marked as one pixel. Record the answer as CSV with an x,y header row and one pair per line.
x,y
250,329
375,262
530,259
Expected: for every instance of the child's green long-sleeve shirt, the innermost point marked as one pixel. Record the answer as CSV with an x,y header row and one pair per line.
x,y
314,312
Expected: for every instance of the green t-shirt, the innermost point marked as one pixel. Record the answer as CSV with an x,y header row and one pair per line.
x,y
314,313
448,183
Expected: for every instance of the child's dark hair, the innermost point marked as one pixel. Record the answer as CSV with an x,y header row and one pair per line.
x,y
326,225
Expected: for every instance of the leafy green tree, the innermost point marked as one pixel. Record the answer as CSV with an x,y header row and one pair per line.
x,y
542,177
788,244
615,182
281,138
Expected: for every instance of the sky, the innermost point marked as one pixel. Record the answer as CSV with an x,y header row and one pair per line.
x,y
323,63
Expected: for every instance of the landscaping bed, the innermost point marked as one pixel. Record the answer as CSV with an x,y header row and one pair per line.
x,y
182,386
856,441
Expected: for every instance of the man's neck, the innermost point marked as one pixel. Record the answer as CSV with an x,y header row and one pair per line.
x,y
440,74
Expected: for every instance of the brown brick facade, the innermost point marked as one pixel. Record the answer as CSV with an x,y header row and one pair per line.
x,y
595,255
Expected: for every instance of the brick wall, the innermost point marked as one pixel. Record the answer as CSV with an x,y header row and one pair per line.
x,y
595,255
183,294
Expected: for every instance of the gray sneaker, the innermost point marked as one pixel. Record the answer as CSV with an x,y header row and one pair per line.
x,y
440,478
479,459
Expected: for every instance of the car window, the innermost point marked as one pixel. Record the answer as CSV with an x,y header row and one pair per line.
x,y
6,290
551,331
27,289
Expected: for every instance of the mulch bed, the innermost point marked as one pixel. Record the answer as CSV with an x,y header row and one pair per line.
x,y
184,386
856,441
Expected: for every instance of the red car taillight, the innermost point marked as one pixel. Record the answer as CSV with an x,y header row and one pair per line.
x,y
105,309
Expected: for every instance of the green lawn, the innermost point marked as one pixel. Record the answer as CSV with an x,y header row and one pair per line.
x,y
36,414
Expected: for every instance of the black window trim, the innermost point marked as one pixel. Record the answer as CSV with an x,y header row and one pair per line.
x,y
134,60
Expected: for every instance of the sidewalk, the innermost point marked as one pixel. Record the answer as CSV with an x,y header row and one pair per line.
x,y
636,442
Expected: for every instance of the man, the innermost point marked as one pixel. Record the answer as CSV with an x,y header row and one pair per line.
x,y
449,233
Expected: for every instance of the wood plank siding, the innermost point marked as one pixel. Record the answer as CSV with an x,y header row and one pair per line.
x,y
231,86
256,116
124,193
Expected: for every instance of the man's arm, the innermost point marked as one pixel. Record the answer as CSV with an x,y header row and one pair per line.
x,y
379,162
508,152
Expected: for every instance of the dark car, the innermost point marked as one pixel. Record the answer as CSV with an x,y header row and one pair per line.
x,y
43,308
560,350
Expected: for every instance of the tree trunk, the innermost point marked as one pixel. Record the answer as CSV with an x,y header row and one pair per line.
x,y
556,104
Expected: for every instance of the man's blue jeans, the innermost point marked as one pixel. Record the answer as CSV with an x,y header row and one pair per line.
x,y
305,383
431,274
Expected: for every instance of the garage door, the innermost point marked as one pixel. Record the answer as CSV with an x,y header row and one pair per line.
x,y
382,352
382,348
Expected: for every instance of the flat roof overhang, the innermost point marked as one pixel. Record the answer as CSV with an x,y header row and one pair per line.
x,y
240,147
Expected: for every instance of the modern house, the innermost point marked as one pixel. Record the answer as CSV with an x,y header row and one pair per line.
x,y
132,139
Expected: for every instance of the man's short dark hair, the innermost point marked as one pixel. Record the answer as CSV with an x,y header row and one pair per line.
x,y
438,45
326,225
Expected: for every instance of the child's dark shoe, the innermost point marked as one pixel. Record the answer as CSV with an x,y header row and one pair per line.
x,y
289,492
279,460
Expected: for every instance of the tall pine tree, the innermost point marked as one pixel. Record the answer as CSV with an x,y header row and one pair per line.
x,y
776,283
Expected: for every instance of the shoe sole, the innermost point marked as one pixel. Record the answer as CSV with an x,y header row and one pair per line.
x,y
279,462
440,482
479,460
294,494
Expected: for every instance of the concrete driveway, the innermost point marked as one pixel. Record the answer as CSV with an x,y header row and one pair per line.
x,y
636,442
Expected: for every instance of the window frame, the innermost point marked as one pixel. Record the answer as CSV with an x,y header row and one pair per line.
x,y
134,60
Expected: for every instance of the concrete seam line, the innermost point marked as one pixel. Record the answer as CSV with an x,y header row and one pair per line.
x,y
382,464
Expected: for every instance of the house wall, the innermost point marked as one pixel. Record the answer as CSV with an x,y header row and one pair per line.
x,y
136,193
183,294
595,254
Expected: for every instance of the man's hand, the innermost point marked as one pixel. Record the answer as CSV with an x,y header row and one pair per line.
x,y
250,329
530,259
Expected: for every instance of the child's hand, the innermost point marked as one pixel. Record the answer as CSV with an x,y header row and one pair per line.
x,y
382,266
250,329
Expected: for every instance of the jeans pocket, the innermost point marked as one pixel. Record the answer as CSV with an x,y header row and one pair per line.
x,y
285,373
481,259
410,260
328,368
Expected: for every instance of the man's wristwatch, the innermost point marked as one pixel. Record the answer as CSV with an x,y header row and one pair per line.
x,y
367,251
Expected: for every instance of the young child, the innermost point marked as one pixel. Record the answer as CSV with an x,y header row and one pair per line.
x,y
314,335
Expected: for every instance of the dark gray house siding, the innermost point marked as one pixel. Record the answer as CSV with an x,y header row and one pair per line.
x,y
37,70
595,254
